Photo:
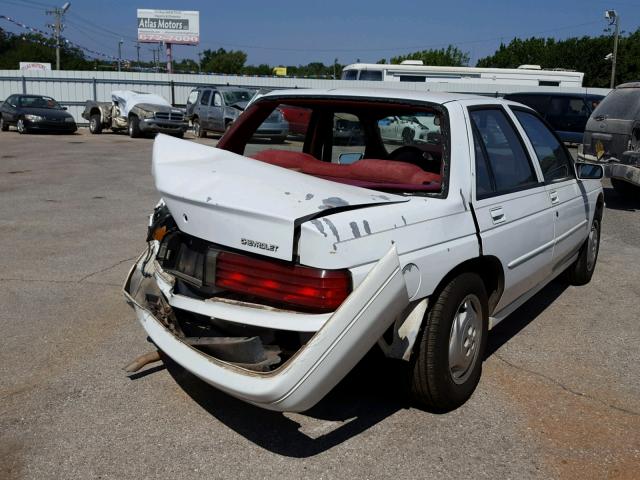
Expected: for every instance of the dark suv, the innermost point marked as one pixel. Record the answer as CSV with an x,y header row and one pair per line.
x,y
612,136
567,113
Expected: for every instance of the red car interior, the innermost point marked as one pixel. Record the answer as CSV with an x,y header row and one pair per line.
x,y
369,173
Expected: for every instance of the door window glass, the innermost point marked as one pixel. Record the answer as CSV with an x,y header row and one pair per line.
x,y
206,96
507,158
373,75
484,186
552,156
217,100
193,97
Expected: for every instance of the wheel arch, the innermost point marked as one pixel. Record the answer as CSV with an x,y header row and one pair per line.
x,y
488,268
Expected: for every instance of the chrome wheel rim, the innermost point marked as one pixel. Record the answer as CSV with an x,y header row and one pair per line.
x,y
93,124
20,125
465,338
196,129
592,246
1,122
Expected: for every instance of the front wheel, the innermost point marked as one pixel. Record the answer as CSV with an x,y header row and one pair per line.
x,y
447,366
198,131
281,139
581,271
407,136
134,127
95,124
4,126
20,125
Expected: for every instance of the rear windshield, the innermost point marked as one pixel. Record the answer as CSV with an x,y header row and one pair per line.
x,y
376,145
623,104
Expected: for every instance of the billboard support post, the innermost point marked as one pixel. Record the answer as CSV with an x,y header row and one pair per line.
x,y
169,59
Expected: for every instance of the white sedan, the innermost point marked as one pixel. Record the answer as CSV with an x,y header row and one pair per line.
x,y
270,276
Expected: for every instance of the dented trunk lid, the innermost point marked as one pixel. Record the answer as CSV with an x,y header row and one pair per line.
x,y
243,203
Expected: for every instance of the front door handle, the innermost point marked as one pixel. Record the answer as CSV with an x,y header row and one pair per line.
x,y
497,215
554,197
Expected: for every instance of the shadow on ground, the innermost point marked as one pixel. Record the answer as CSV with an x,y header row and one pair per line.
x,y
373,391
616,201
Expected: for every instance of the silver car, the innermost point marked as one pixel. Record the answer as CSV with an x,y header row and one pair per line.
x,y
214,109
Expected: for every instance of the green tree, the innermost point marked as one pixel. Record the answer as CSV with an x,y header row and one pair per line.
x,y
223,61
447,57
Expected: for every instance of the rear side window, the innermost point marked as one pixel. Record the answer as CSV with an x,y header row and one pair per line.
x,y
552,156
206,96
623,103
539,103
507,160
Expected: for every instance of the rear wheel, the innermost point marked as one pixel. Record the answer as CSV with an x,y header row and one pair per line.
x,y
278,139
447,366
4,126
134,127
20,125
95,124
581,271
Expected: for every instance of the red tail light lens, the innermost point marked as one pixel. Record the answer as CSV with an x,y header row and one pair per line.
x,y
309,288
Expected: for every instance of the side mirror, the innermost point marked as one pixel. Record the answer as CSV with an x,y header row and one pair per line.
x,y
349,158
589,171
65,108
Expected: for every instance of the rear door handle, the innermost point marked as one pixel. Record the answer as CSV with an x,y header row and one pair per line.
x,y
497,215
554,197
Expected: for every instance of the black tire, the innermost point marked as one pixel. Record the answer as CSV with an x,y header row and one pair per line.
x,y
4,126
179,134
20,125
434,384
407,136
279,139
581,271
198,131
625,189
95,124
134,127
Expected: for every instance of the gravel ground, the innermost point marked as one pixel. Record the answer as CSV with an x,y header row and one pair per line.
x,y
559,396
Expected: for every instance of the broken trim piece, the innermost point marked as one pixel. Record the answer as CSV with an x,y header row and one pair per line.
x,y
318,366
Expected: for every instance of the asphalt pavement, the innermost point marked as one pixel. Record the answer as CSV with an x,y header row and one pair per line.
x,y
559,396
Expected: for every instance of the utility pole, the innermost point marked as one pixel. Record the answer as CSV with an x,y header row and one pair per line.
x,y
199,62
58,12
138,52
614,19
120,42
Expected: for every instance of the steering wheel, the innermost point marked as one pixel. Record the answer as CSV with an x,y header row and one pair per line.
x,y
415,156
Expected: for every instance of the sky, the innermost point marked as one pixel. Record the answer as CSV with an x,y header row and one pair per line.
x,y
279,32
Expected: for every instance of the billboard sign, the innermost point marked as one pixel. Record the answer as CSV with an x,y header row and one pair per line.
x,y
169,26
34,66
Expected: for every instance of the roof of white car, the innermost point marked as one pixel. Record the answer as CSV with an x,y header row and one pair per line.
x,y
383,93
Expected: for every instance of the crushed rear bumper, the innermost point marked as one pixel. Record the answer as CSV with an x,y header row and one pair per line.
x,y
341,341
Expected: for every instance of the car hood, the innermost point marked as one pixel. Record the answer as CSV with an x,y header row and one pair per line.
x,y
48,113
240,105
243,203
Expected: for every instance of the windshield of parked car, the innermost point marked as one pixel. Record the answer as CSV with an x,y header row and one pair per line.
x,y
235,96
39,102
623,103
387,147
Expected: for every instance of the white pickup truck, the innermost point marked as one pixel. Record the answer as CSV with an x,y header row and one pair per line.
x,y
269,273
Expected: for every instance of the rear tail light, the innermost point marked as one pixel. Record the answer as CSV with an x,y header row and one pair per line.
x,y
305,287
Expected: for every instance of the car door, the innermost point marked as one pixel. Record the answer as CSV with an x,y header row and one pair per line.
x,y
216,112
511,204
203,109
568,200
9,109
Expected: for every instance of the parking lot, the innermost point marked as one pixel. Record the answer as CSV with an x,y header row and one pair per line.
x,y
559,396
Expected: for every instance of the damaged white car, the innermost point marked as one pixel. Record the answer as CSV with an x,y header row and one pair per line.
x,y
270,273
